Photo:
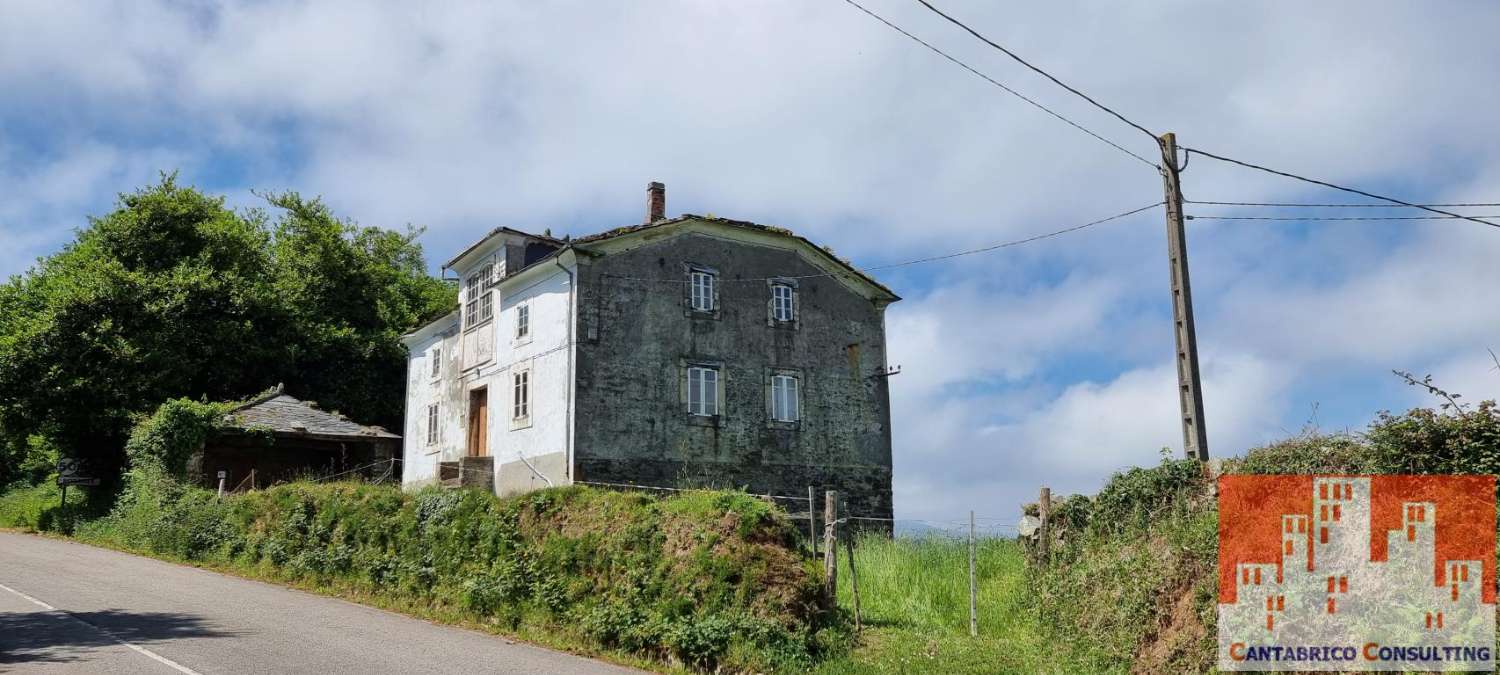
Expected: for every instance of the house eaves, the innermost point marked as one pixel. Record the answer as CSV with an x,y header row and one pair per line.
x,y
817,253
452,262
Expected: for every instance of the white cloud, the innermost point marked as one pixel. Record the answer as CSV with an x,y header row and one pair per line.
x,y
60,191
1036,364
1003,335
1471,374
967,453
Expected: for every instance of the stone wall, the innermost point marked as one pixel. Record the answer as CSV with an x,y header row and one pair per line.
x,y
637,336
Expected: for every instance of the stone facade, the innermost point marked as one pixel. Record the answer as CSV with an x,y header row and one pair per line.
x,y
639,336
613,336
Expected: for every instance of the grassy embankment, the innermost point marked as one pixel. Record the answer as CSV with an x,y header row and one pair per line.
x,y
1133,580
359,542
713,579
701,580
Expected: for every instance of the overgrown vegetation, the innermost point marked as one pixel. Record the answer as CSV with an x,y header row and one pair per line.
x,y
1132,582
914,600
704,579
172,294
39,507
163,442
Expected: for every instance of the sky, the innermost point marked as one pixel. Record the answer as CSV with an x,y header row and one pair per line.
x,y
1043,364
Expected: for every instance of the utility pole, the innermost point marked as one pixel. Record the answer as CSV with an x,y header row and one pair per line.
x,y
1189,385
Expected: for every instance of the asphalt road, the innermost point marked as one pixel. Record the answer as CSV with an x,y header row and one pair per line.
x,y
71,608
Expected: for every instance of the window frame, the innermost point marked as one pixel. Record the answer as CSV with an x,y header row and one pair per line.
x,y
778,300
705,386
435,372
479,297
523,322
709,290
434,424
520,397
778,303
785,382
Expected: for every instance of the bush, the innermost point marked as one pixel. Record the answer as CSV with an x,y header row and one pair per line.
x,y
26,461
168,438
708,579
36,507
1306,453
1428,441
1129,558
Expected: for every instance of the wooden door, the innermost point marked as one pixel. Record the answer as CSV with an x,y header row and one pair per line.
x,y
479,423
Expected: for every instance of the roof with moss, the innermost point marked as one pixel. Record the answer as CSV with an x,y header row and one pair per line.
x,y
277,412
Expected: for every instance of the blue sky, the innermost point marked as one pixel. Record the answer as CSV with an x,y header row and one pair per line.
x,y
1043,364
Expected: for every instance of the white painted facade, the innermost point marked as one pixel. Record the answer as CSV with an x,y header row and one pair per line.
x,y
531,439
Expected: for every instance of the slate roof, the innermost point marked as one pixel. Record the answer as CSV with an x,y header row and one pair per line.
x,y
566,243
744,224
499,230
281,413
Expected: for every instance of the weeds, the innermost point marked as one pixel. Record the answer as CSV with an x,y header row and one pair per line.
x,y
706,580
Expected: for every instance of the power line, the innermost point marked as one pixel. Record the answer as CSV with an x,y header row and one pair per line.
x,y
918,261
1039,71
1315,181
995,82
1341,206
1337,218
1018,242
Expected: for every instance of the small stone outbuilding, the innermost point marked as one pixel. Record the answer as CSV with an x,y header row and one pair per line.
x,y
277,438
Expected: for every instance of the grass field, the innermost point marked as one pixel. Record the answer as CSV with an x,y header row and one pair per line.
x,y
914,601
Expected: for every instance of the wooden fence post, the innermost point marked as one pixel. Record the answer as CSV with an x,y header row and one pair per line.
x,y
1044,506
830,547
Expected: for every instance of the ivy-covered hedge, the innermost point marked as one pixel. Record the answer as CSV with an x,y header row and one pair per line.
x,y
706,579
1133,571
166,439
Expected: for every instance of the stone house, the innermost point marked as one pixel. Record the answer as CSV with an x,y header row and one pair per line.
x,y
685,351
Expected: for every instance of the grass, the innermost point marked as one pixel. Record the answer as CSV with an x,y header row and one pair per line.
x,y
704,580
37,507
914,602
914,597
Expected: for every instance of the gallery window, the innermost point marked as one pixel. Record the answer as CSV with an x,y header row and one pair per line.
x,y
479,297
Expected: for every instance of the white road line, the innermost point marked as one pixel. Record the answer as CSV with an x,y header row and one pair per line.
x,y
142,650
30,599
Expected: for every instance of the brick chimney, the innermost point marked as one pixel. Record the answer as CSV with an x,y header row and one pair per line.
x,y
656,202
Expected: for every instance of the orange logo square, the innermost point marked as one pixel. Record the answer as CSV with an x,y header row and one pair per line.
x,y
1363,573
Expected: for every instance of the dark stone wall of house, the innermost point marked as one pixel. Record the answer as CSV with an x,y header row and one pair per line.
x,y
637,336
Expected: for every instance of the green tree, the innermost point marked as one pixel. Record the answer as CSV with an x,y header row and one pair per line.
x,y
349,293
172,294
